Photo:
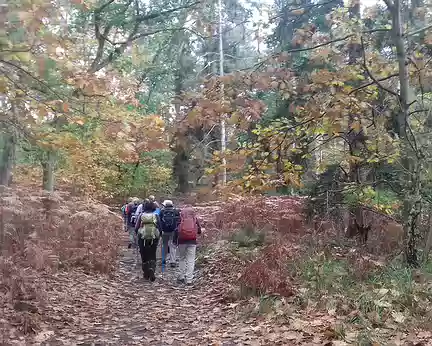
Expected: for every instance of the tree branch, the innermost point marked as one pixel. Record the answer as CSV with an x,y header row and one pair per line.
x,y
19,68
373,82
150,16
296,50
307,7
389,4
99,63
369,73
412,33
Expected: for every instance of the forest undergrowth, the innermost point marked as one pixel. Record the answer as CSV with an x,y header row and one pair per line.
x,y
42,234
258,259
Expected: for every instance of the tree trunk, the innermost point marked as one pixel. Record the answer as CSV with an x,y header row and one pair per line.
x,y
48,167
428,245
411,161
181,169
7,159
355,139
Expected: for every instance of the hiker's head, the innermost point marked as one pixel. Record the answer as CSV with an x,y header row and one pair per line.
x,y
136,200
130,199
187,212
152,198
167,203
149,207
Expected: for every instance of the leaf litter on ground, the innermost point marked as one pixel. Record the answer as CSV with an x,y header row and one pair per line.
x,y
84,307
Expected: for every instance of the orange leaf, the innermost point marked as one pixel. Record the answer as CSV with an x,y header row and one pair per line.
x,y
65,107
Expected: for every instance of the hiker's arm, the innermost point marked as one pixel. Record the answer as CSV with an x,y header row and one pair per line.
x,y
126,217
175,236
137,223
158,223
199,226
177,218
139,210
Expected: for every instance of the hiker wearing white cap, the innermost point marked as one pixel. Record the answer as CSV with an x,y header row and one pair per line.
x,y
169,219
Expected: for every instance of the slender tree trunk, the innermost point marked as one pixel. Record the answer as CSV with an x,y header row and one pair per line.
x,y
48,167
428,245
412,201
7,159
355,139
181,169
221,74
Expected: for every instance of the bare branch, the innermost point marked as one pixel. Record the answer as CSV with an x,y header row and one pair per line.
x,y
373,82
307,7
150,16
99,62
369,73
389,4
296,50
418,31
27,73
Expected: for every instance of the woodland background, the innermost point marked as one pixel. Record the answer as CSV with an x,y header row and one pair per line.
x,y
327,101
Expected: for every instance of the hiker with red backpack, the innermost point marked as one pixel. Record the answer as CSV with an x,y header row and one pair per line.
x,y
170,219
148,231
186,236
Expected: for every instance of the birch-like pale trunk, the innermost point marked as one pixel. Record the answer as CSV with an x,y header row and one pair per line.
x,y
410,154
221,73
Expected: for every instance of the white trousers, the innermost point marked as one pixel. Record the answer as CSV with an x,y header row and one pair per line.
x,y
187,261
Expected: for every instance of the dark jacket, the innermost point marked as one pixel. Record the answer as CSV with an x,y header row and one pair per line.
x,y
130,214
166,228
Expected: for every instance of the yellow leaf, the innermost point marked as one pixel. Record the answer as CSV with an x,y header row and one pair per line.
x,y
23,56
356,126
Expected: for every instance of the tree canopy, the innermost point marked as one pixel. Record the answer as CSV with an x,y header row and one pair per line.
x,y
120,98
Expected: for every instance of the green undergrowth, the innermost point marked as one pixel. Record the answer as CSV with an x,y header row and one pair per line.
x,y
387,297
363,295
248,237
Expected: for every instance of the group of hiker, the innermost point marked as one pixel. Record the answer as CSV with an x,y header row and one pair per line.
x,y
147,222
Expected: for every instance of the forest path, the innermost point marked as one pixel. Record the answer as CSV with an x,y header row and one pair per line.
x,y
124,309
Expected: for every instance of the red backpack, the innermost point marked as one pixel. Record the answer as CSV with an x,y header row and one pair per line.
x,y
188,228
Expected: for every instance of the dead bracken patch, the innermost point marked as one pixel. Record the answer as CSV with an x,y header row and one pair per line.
x,y
42,233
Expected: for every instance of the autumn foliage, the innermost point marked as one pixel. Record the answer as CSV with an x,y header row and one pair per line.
x,y
279,219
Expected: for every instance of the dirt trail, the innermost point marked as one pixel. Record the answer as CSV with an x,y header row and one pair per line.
x,y
126,310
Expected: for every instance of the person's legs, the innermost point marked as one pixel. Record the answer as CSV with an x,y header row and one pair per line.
x,y
151,246
143,253
131,232
165,240
190,262
172,250
182,264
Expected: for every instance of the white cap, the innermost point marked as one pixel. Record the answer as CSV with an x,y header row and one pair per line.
x,y
167,203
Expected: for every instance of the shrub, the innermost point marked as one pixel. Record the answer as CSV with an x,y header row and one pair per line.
x,y
268,274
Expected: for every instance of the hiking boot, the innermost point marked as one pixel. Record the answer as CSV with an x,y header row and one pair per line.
x,y
145,271
190,283
180,281
173,265
152,275
129,246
